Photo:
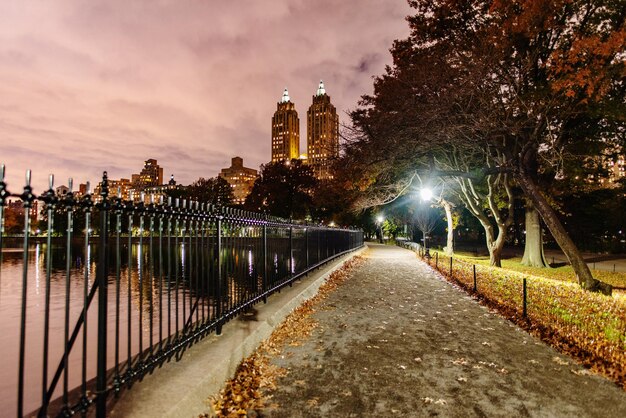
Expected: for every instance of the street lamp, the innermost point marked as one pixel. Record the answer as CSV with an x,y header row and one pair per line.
x,y
426,194
379,223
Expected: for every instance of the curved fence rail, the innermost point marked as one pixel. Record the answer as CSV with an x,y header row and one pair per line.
x,y
108,290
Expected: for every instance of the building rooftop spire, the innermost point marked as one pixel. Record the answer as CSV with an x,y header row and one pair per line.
x,y
285,98
320,90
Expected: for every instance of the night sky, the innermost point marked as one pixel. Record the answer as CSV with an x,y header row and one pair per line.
x,y
87,86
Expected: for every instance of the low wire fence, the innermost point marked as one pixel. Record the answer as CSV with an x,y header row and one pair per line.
x,y
590,325
109,290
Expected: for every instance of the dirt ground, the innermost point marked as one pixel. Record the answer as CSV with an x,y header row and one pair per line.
x,y
395,339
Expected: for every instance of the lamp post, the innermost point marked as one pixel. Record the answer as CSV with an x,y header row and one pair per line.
x,y
426,194
379,224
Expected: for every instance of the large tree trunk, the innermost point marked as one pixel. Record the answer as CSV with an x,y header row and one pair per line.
x,y
495,249
533,249
494,245
449,249
583,274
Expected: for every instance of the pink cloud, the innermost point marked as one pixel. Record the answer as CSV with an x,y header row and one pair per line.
x,y
88,86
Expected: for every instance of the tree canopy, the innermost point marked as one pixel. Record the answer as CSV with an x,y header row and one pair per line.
x,y
284,190
496,88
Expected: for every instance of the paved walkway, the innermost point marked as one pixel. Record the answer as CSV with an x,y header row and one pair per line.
x,y
397,340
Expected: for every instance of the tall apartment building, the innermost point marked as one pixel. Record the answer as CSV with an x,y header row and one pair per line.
x,y
322,134
240,178
150,176
285,130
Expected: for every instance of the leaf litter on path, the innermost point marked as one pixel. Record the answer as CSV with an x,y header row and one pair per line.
x,y
255,375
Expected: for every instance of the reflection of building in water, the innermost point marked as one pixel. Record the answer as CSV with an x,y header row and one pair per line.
x,y
240,178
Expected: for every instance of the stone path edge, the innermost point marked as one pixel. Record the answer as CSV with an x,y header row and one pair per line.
x,y
181,388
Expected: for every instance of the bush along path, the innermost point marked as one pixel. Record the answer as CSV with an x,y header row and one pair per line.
x,y
393,338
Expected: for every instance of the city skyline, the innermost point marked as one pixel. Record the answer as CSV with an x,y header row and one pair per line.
x,y
88,90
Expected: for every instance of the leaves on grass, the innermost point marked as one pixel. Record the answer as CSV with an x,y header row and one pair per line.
x,y
586,325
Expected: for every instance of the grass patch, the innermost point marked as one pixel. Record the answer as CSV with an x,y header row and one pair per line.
x,y
563,273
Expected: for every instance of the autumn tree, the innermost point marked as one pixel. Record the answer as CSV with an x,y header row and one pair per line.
x,y
527,83
284,190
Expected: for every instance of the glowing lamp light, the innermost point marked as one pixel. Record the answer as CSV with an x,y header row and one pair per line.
x,y
380,219
426,194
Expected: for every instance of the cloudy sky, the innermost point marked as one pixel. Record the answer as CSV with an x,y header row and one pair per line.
x,y
94,85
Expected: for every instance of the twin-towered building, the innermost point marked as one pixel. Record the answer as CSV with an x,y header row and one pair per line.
x,y
322,133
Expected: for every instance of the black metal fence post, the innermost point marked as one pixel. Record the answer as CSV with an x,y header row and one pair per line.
x,y
437,261
525,294
27,198
450,267
50,201
474,268
290,275
101,278
306,247
218,303
4,193
265,271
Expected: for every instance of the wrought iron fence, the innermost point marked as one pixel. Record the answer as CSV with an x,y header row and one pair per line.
x,y
122,287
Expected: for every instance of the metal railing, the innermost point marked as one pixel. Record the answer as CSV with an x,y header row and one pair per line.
x,y
123,287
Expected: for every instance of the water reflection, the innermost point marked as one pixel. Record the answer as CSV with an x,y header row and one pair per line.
x,y
147,280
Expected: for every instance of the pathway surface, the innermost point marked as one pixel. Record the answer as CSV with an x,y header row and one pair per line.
x,y
397,340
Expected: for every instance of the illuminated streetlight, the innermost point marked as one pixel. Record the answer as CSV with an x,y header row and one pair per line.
x,y
379,223
426,194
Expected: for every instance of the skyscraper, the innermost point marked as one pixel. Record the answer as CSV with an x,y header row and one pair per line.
x,y
285,131
322,134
